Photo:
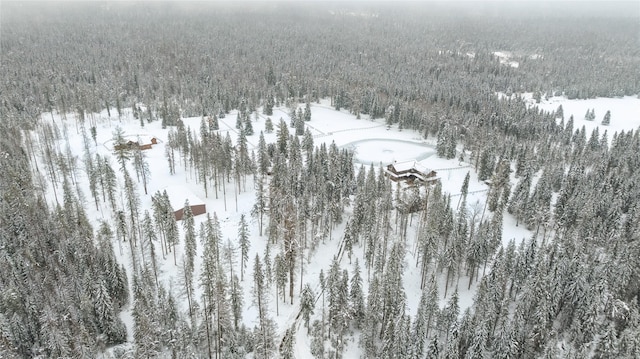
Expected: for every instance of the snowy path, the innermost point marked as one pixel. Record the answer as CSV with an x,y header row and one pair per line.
x,y
346,130
234,130
294,317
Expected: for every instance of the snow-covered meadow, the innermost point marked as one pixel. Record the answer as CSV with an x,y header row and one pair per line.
x,y
625,112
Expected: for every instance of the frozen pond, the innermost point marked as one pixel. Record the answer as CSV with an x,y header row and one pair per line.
x,y
388,150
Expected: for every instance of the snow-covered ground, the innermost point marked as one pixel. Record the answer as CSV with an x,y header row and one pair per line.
x,y
625,112
373,142
505,58
379,150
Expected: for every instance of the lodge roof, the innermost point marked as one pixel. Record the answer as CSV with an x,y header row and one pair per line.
x,y
179,194
405,166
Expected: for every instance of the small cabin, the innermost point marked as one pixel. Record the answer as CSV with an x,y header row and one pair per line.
x,y
410,172
178,195
142,143
145,142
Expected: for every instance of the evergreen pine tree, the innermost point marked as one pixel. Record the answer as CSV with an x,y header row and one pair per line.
x,y
260,204
608,343
606,121
172,233
190,247
299,126
442,142
121,148
268,106
307,111
280,273
426,315
133,205
356,298
560,112
452,343
145,315
433,352
263,156
487,163
307,142
248,127
243,241
141,166
237,301
188,225
149,237
307,304
449,315
213,123
268,125
286,348
282,137
239,122
264,344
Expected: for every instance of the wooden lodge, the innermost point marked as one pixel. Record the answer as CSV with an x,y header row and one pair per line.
x,y
410,172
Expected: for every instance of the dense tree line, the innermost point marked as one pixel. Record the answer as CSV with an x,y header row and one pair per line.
x,y
62,288
205,59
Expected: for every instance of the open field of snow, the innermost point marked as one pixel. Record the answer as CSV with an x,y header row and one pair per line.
x,y
378,150
625,112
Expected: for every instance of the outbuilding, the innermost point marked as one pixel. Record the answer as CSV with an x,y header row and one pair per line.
x,y
141,142
177,197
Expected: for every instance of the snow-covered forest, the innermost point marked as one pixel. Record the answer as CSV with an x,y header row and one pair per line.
x,y
319,180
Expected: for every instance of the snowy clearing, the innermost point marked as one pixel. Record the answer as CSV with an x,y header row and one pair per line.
x,y
371,141
625,112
